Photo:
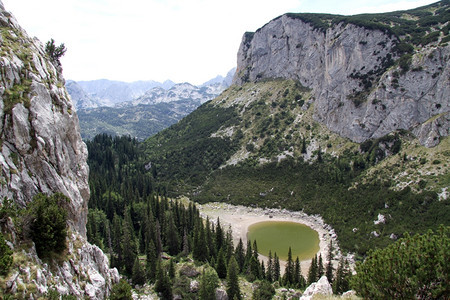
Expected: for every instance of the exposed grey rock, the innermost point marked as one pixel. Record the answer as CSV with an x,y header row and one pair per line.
x,y
221,294
322,287
194,286
329,62
41,151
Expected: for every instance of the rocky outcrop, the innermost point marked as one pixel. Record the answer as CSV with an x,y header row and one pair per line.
x,y
358,88
321,287
41,151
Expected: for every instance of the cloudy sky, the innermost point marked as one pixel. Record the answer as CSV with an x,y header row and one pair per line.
x,y
181,40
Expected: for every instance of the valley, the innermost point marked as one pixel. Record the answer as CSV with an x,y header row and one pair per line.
x,y
147,190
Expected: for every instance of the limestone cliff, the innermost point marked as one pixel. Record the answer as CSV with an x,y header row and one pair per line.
x,y
41,151
364,85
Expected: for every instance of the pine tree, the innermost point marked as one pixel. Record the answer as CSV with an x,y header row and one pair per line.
x,y
299,280
303,146
138,276
320,270
289,271
151,261
341,283
163,285
233,289
186,249
219,236
172,236
208,284
329,269
255,250
171,269
129,247
276,268
312,273
239,255
200,250
221,266
269,273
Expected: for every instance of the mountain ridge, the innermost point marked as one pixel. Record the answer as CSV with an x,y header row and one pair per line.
x,y
366,80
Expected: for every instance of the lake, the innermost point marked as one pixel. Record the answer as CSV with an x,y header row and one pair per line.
x,y
278,236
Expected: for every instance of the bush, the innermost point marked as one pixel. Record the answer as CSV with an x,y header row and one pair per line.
x,y
121,291
412,268
6,258
48,222
55,52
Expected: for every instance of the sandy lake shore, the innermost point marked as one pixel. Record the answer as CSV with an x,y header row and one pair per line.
x,y
241,217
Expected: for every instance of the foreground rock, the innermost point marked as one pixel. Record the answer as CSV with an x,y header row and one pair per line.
x,y
322,287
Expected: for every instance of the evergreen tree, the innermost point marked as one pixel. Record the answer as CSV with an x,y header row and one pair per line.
x,y
219,236
269,273
138,276
341,282
221,266
6,258
208,284
239,255
129,247
299,280
303,146
186,250
116,255
329,269
171,269
200,251
121,291
411,268
263,291
163,285
233,289
276,267
312,273
151,261
288,279
172,236
210,239
320,270
255,250
229,244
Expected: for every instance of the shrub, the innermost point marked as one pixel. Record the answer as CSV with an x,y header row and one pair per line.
x,y
121,291
55,52
412,268
48,222
6,258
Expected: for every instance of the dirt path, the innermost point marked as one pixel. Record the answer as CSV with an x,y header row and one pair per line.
x,y
241,217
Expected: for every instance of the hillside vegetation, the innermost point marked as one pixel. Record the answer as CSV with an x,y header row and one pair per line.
x,y
258,144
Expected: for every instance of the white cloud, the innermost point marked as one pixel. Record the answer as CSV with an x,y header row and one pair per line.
x,y
182,40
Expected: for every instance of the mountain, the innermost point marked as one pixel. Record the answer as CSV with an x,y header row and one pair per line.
x,y
42,153
181,91
341,116
145,115
105,92
80,97
139,121
369,74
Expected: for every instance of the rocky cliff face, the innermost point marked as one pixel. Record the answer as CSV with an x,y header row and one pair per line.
x,y
41,151
358,87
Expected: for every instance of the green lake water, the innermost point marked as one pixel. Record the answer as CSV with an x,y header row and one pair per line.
x,y
278,236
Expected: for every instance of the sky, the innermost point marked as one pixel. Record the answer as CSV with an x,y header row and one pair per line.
x,y
181,40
